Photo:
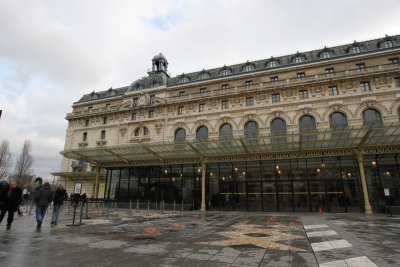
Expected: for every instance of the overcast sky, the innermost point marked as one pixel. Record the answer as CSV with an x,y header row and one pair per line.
x,y
52,52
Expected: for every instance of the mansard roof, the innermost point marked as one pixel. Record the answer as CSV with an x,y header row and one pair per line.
x,y
158,79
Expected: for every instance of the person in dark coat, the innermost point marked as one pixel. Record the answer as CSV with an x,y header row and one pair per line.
x,y
43,198
11,198
58,201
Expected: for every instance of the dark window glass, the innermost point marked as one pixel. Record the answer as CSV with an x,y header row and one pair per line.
x,y
397,82
394,61
225,130
202,91
137,132
249,101
152,99
333,91
360,66
364,86
372,116
105,120
307,123
84,137
180,110
337,119
201,107
276,98
87,122
274,79
135,102
278,126
133,116
301,75
248,84
303,94
251,128
225,104
146,131
180,134
202,132
103,135
151,114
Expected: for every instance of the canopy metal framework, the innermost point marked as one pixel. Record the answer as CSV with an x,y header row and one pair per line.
x,y
371,139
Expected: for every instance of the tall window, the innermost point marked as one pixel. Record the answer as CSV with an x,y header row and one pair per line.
x,y
201,107
329,71
298,59
333,90
180,110
87,123
387,44
372,116
202,91
307,123
325,54
394,61
135,102
276,98
137,132
180,135
360,66
248,84
248,68
225,130
183,79
225,104
84,137
249,101
301,75
103,135
202,133
151,114
356,49
105,120
181,94
152,99
225,88
398,113
251,128
146,131
337,119
278,126
272,64
225,72
204,75
303,94
397,81
133,116
364,86
274,79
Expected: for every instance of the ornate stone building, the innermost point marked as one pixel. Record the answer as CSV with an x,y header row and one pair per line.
x,y
300,132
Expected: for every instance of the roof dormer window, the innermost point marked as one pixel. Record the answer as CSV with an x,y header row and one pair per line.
x,y
325,54
387,44
183,79
225,72
355,49
204,75
248,68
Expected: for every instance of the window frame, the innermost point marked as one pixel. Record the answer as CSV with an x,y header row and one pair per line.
x,y
103,135
249,101
202,107
133,116
225,104
333,90
151,114
365,88
303,94
180,110
276,98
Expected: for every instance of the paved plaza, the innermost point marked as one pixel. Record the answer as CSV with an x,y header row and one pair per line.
x,y
213,239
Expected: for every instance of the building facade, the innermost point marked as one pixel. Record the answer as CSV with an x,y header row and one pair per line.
x,y
301,132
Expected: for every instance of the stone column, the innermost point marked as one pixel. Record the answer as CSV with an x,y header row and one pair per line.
x,y
203,186
367,204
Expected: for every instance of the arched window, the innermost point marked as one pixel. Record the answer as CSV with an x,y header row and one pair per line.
x,y
137,132
398,113
371,116
278,126
338,119
180,135
307,123
146,131
225,130
251,128
202,132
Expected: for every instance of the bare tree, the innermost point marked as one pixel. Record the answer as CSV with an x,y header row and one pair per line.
x,y
23,165
5,159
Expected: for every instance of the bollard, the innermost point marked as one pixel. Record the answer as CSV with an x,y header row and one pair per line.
x,y
87,211
182,204
137,205
193,205
163,202
174,205
156,205
73,218
108,209
130,206
148,204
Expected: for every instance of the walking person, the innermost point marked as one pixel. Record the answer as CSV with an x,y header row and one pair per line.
x,y
59,198
11,198
43,198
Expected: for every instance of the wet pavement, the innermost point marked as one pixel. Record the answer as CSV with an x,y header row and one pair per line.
x,y
193,239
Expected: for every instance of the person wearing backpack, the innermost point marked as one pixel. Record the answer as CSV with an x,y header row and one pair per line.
x,y
43,198
59,198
